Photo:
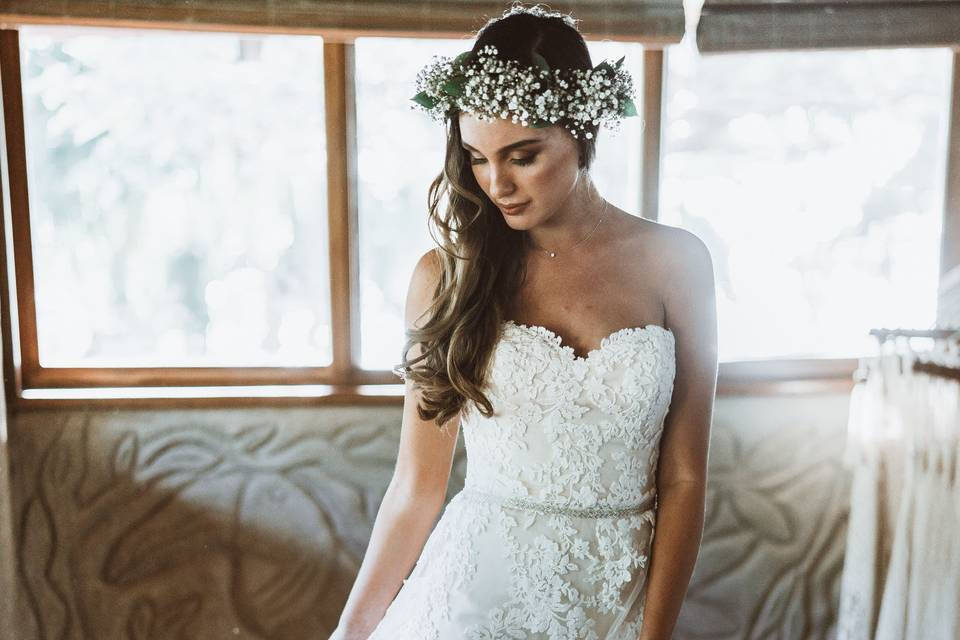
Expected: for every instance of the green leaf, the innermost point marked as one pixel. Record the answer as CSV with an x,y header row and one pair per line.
x,y
454,86
629,109
619,62
424,99
461,58
540,61
603,65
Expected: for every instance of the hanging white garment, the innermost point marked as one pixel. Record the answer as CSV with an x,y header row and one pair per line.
x,y
874,454
859,596
921,598
922,535
951,591
892,619
932,608
928,620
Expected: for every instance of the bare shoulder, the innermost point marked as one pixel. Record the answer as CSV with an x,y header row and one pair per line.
x,y
652,247
683,252
685,269
423,284
657,238
672,263
428,265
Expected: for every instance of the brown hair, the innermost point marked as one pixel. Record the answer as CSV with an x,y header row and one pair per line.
x,y
481,257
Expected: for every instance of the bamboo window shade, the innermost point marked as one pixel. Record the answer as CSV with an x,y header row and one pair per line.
x,y
741,25
651,22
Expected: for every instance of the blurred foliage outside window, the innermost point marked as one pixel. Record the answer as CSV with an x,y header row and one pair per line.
x,y
177,197
816,178
178,194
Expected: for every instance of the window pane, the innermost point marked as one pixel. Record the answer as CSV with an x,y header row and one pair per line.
x,y
816,179
177,197
618,168
401,151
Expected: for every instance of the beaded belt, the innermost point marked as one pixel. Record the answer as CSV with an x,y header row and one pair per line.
x,y
601,511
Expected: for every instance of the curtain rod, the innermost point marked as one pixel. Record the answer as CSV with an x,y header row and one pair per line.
x,y
937,333
920,366
939,370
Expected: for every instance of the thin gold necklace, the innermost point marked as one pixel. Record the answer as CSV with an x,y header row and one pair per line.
x,y
553,254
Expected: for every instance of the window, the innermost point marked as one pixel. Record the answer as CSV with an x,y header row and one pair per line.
x,y
177,198
816,178
399,153
179,184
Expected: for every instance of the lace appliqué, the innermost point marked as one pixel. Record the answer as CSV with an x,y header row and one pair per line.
x,y
447,563
564,576
564,569
580,434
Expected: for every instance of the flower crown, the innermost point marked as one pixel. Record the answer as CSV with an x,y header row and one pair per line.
x,y
491,87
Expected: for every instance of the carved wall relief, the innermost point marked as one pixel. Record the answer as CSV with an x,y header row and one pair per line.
x,y
149,525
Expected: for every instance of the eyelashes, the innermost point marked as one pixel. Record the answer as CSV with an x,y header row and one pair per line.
x,y
520,162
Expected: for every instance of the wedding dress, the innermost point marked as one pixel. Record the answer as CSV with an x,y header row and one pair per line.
x,y
921,590
551,535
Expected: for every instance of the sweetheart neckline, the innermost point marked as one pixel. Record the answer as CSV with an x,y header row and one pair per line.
x,y
605,342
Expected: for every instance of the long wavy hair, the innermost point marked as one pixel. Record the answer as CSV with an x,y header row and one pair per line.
x,y
482,259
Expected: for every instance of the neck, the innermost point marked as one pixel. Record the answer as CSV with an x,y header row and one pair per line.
x,y
576,217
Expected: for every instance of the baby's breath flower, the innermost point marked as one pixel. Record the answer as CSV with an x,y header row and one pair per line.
x,y
487,86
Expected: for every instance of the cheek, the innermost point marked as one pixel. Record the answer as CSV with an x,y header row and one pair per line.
x,y
544,177
551,178
543,172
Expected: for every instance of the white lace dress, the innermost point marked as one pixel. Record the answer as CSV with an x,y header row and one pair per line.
x,y
550,536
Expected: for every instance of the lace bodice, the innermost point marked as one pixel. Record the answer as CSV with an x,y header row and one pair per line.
x,y
581,431
551,534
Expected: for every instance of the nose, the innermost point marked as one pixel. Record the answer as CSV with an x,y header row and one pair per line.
x,y
501,184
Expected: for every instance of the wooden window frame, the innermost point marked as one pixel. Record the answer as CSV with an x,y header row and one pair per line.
x,y
766,25
28,386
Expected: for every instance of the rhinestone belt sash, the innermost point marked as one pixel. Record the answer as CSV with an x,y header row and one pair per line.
x,y
601,511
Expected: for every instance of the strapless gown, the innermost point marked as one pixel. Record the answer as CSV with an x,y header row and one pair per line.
x,y
551,534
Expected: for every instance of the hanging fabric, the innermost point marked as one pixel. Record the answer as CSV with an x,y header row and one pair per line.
x,y
901,575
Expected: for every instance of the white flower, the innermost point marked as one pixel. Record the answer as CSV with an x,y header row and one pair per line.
x,y
502,88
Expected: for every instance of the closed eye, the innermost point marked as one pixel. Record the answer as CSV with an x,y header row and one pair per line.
x,y
521,162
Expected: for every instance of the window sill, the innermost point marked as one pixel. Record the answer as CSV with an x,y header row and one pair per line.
x,y
787,378
184,397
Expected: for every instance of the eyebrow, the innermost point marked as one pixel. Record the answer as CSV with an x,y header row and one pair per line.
x,y
514,145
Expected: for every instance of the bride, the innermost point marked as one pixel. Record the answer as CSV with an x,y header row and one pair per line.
x,y
575,346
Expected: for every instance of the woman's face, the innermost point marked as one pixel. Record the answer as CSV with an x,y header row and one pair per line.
x,y
514,164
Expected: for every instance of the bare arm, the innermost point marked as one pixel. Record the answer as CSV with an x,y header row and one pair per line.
x,y
682,467
414,496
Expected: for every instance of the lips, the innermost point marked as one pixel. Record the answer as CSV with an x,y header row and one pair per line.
x,y
514,208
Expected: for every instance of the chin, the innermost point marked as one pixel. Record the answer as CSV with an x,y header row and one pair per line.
x,y
519,223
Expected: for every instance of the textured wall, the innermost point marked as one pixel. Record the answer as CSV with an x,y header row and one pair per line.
x,y
777,505
148,525
6,532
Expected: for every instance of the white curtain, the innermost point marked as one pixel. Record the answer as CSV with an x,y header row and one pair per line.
x,y
901,575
